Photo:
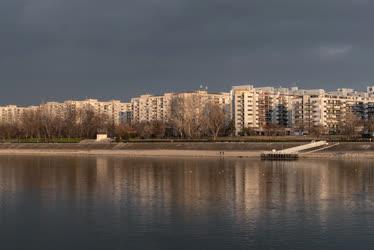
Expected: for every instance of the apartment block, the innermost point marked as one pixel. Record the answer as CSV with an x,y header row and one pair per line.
x,y
146,108
245,107
151,108
298,110
10,114
114,110
259,108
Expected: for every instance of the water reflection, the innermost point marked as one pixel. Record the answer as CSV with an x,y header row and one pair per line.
x,y
173,201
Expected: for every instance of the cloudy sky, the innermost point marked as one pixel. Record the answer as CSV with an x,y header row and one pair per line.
x,y
59,49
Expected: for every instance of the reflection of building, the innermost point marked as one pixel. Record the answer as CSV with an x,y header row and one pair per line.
x,y
246,190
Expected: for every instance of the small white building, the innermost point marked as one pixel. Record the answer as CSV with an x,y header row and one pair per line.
x,y
101,137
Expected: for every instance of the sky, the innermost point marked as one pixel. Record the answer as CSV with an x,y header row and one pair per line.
x,y
73,49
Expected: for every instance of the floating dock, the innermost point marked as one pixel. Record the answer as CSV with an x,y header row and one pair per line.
x,y
292,153
278,156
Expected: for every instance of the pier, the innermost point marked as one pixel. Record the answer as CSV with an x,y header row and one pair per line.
x,y
293,153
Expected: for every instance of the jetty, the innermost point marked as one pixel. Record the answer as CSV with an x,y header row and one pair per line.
x,y
293,153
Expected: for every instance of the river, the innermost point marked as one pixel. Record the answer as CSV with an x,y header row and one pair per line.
x,y
162,203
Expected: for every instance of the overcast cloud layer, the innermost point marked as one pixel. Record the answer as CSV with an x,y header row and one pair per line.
x,y
59,49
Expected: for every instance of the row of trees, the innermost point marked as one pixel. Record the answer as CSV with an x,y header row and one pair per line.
x,y
42,124
189,119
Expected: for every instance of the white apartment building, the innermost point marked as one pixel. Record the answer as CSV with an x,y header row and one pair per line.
x,y
52,108
159,108
298,110
307,107
10,114
257,108
245,107
151,108
115,110
327,110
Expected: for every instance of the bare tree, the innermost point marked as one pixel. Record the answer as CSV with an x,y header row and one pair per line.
x,y
177,117
351,125
9,131
369,125
158,129
124,131
70,123
144,130
187,115
317,130
215,119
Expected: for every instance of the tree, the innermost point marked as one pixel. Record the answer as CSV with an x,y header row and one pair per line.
x,y
214,119
144,130
177,116
70,123
229,128
369,125
158,129
317,130
9,131
351,125
124,132
187,115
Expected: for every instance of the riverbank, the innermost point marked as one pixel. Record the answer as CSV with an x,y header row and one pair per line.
x,y
237,149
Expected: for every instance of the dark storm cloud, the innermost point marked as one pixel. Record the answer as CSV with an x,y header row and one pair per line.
x,y
57,49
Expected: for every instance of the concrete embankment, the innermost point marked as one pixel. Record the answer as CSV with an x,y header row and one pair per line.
x,y
185,149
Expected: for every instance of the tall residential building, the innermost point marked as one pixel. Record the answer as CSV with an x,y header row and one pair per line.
x,y
299,110
245,108
258,108
151,108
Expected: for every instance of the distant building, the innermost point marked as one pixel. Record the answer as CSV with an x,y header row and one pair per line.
x,y
10,114
159,108
298,110
111,109
259,109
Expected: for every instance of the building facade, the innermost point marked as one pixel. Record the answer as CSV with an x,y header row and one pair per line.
x,y
260,109
113,110
10,114
299,111
148,108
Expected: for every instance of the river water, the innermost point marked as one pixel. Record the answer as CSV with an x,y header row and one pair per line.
x,y
119,203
